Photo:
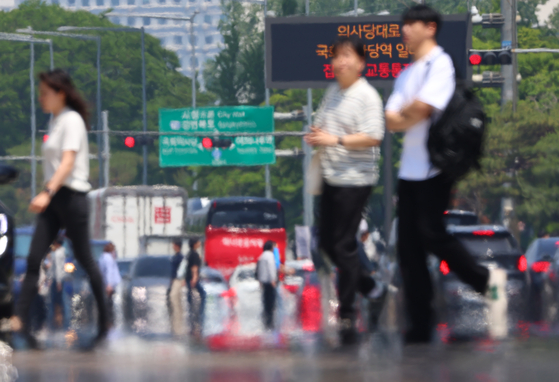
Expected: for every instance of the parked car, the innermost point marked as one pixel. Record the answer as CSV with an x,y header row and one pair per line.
x,y
462,310
216,312
542,269
144,295
7,174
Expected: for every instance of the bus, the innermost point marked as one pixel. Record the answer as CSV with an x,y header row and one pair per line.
x,y
236,229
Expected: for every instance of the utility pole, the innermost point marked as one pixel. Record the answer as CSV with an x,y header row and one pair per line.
x,y
307,150
508,40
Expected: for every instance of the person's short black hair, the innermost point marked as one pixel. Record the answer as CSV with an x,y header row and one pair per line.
x,y
424,14
178,243
59,240
193,241
353,42
268,246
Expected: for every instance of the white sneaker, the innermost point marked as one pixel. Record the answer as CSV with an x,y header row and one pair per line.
x,y
496,298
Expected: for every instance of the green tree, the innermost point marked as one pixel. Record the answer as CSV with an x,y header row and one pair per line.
x,y
120,89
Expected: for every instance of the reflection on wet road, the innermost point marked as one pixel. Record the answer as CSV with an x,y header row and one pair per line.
x,y
379,359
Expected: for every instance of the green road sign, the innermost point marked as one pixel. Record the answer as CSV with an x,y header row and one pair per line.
x,y
212,150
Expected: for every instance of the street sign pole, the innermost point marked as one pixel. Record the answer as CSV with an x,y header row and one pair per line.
x,y
267,96
307,150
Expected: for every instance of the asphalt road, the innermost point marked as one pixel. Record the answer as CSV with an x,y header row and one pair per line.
x,y
380,358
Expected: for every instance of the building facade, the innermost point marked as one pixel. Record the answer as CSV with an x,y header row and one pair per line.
x,y
174,35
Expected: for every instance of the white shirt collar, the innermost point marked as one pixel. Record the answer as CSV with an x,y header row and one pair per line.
x,y
432,54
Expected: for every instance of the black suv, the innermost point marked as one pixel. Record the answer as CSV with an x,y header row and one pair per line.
x,y
459,307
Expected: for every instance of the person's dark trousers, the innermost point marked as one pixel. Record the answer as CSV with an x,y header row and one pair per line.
x,y
67,209
421,230
196,314
269,300
341,211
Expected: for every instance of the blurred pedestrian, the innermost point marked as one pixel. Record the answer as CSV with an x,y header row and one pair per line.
x,y
62,202
267,275
196,294
348,128
57,275
421,93
362,236
111,277
175,290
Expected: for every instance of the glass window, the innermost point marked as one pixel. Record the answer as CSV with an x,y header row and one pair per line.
x,y
131,2
100,3
177,1
484,246
177,40
209,39
56,1
246,215
147,20
153,267
162,21
131,21
71,3
115,3
145,2
85,3
162,39
115,20
546,248
161,1
207,19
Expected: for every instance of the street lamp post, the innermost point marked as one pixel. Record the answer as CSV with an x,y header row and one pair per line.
x,y
91,38
32,41
144,99
168,17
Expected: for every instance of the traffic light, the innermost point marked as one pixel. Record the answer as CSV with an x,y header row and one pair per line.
x,y
210,143
141,140
490,57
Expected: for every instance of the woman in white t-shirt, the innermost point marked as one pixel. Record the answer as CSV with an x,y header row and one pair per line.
x,y
62,203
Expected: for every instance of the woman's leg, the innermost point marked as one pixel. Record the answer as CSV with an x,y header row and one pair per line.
x,y
46,230
75,217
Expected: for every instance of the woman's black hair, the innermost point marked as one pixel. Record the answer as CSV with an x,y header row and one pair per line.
x,y
60,81
268,246
353,42
424,14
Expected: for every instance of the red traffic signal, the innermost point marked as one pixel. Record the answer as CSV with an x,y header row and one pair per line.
x,y
129,142
207,143
475,59
491,57
45,137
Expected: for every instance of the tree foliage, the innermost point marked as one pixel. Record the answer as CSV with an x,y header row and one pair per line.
x,y
120,90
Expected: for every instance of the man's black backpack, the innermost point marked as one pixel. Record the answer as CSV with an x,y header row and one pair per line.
x,y
455,141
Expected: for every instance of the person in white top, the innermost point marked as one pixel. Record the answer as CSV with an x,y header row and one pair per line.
x,y
111,277
421,94
62,203
348,129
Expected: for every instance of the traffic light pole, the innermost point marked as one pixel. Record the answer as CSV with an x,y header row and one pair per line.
x,y
508,40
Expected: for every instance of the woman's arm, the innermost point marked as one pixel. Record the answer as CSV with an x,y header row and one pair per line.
x,y
42,200
359,141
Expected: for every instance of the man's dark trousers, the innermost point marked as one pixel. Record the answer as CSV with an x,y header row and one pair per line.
x,y
421,230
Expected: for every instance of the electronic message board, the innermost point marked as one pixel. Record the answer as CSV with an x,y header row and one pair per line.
x,y
298,49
